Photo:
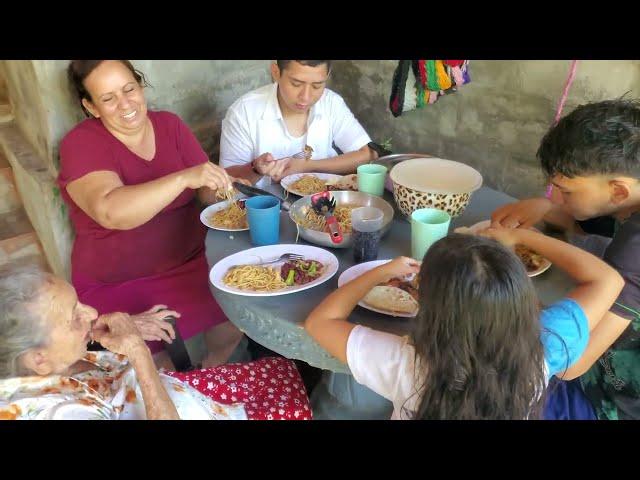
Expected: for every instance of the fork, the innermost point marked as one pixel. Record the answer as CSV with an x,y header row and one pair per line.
x,y
297,155
283,258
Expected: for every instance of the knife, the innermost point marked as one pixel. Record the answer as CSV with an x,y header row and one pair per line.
x,y
254,191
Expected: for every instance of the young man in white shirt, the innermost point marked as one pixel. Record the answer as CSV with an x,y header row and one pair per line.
x,y
265,127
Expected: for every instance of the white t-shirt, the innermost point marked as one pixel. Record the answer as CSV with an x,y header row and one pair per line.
x,y
385,362
254,125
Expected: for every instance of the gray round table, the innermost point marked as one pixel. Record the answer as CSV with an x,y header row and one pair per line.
x,y
276,322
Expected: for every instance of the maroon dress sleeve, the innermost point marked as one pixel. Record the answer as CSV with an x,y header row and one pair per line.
x,y
83,150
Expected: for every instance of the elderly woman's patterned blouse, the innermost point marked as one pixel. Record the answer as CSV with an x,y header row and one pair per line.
x,y
108,392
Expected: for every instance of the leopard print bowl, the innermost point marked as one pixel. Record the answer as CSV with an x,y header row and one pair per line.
x,y
433,183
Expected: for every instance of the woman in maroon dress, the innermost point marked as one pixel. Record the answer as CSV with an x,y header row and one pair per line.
x,y
130,177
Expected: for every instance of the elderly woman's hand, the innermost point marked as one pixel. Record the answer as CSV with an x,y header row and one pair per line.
x,y
117,333
152,324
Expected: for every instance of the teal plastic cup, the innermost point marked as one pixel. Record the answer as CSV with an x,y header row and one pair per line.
x,y
371,178
428,225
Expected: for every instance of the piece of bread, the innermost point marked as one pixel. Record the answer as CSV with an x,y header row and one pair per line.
x,y
347,182
392,299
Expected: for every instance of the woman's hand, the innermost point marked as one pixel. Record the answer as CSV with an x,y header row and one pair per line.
x,y
207,175
400,267
152,325
117,333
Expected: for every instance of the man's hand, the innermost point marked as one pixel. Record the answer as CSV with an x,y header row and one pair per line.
x,y
295,165
266,165
506,236
523,214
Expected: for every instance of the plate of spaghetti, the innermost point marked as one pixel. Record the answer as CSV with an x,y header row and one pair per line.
x,y
228,215
243,274
303,184
532,260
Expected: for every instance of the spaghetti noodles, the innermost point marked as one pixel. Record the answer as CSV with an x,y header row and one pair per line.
x,y
308,185
233,217
313,221
251,277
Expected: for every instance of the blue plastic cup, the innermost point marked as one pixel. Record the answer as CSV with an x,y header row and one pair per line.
x,y
263,215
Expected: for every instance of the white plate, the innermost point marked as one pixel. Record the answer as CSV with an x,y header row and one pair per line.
x,y
206,214
289,179
486,223
357,270
269,252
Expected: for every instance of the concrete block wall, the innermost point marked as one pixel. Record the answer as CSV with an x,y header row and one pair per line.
x,y
495,122
44,110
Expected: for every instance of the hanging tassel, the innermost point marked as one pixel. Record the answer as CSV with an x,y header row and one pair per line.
x,y
410,94
432,77
398,87
420,95
457,75
455,70
422,73
417,66
465,72
444,81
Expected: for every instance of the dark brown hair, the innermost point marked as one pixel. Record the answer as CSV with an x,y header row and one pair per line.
x,y
601,138
79,70
282,64
477,333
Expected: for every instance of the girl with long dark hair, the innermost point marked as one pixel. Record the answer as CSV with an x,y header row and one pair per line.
x,y
480,346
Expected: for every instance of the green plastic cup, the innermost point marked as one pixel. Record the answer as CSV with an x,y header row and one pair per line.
x,y
371,178
428,225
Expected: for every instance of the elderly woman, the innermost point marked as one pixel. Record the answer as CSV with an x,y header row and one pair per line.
x,y
130,177
46,372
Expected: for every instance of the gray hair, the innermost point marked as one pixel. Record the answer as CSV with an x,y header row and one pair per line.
x,y
20,328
